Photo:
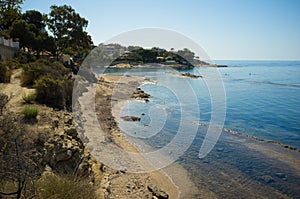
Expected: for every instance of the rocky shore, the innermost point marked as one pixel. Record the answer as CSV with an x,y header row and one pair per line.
x,y
120,183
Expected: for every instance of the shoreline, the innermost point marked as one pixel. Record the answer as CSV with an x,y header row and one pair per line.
x,y
118,182
175,180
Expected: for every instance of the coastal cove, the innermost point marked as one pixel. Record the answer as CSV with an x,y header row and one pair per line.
x,y
244,162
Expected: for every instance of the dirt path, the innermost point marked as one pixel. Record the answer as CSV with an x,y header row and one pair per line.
x,y
15,91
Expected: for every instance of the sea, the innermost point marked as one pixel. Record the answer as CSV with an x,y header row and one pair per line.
x,y
256,154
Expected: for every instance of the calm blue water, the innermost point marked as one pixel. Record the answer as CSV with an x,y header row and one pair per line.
x,y
262,98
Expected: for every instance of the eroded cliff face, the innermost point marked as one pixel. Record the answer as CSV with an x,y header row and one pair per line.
x,y
48,142
64,151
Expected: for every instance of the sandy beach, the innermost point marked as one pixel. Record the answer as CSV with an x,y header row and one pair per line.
x,y
119,182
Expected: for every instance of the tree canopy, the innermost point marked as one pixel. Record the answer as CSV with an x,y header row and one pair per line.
x,y
10,10
62,31
68,30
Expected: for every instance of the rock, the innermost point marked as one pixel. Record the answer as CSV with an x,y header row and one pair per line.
x,y
63,155
103,168
71,132
157,192
131,118
55,123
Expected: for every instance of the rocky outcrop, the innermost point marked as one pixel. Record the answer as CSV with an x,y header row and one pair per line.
x,y
139,94
64,151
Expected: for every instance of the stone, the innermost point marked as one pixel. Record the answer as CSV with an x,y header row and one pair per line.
x,y
71,131
131,118
157,192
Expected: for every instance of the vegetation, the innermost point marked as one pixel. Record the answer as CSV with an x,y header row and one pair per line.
x,y
54,92
68,29
29,98
10,10
30,112
35,70
53,186
60,32
139,55
5,73
43,39
19,159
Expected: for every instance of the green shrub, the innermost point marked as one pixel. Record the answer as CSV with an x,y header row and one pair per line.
x,y
25,57
29,98
50,92
30,112
12,63
5,73
35,70
53,186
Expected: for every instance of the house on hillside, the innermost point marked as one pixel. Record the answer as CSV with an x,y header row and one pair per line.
x,y
111,49
8,48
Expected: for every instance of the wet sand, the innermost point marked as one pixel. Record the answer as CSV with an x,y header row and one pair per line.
x,y
108,145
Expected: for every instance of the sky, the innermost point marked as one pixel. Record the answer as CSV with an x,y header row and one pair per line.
x,y
225,29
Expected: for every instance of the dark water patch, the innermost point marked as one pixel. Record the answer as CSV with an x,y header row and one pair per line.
x,y
233,170
276,84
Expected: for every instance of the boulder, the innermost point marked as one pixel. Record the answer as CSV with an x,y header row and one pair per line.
x,y
157,192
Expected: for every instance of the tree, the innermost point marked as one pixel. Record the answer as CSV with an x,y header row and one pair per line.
x,y
10,11
36,18
186,54
19,160
22,31
68,30
31,32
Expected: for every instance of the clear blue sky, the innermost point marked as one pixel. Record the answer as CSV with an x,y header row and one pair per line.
x,y
225,29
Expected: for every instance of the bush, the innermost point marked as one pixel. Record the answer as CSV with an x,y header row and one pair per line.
x,y
50,92
25,57
33,71
29,98
53,186
5,73
12,63
30,112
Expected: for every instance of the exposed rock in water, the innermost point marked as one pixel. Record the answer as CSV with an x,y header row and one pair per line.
x,y
191,75
186,75
140,95
131,118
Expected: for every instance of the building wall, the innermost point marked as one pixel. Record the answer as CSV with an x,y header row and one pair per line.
x,y
8,48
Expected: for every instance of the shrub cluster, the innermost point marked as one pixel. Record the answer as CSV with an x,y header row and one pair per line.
x,y
35,70
54,92
53,87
